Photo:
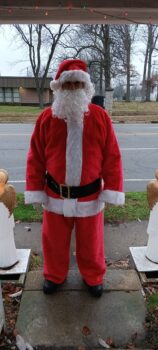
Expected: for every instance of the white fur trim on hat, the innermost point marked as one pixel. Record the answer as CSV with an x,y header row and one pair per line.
x,y
71,75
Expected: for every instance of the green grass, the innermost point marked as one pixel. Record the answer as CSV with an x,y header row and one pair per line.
x,y
152,319
152,302
19,109
136,208
120,108
25,212
36,262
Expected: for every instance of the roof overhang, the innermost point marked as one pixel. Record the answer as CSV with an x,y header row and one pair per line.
x,y
79,11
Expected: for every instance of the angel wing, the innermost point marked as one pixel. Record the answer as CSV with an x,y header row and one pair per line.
x,y
9,198
152,193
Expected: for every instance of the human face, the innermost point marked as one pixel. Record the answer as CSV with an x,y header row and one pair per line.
x,y
71,101
70,85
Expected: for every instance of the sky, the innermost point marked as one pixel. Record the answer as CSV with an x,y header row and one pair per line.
x,y
12,56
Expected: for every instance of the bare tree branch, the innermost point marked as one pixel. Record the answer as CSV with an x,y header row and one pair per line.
x,y
36,37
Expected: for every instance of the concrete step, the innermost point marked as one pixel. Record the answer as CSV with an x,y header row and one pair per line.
x,y
73,319
126,280
81,348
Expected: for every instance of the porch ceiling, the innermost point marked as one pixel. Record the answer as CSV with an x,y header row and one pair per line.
x,y
79,11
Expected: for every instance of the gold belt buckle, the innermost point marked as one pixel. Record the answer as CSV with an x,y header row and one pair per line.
x,y
61,191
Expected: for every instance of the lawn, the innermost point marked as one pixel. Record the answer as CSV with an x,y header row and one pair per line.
x,y
135,208
135,108
19,114
122,108
19,109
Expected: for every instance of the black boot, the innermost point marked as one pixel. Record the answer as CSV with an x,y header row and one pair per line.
x,y
49,287
96,291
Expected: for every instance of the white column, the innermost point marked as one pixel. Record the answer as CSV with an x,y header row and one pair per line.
x,y
152,230
2,317
109,100
8,252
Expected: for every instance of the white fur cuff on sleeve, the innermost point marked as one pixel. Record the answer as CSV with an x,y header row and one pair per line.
x,y
35,197
113,197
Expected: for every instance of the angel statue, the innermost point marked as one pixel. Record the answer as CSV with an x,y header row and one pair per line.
x,y
8,253
152,230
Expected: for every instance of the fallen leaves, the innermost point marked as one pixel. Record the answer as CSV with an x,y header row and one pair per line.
x,y
28,228
86,331
130,346
16,294
150,289
21,344
18,222
120,263
103,343
11,300
109,341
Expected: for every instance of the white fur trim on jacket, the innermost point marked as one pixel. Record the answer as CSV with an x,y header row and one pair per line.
x,y
113,197
73,75
73,208
66,207
74,153
35,197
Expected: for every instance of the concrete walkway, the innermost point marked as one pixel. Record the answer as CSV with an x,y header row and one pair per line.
x,y
118,238
71,318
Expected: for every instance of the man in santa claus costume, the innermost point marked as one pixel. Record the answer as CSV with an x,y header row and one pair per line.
x,y
73,168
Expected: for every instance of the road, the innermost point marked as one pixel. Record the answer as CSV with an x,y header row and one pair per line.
x,y
138,144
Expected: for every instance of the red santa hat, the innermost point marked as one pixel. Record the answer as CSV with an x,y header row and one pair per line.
x,y
72,70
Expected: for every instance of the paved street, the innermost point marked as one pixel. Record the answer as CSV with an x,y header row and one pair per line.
x,y
138,143
139,148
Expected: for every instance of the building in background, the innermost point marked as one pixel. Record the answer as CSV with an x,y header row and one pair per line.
x,y
22,91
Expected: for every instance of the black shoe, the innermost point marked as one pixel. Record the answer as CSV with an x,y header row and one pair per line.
x,y
96,291
49,287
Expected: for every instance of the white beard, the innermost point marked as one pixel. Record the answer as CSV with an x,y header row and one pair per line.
x,y
70,105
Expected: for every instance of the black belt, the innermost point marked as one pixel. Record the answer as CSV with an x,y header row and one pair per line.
x,y
73,191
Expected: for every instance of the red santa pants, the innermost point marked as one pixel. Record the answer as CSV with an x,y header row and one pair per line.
x,y
56,236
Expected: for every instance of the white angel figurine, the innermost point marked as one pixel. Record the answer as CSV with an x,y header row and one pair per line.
x,y
8,252
152,230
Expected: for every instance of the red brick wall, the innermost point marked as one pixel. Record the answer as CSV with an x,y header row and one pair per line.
x,y
30,96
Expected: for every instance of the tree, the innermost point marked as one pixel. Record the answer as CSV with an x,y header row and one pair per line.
x,y
150,37
123,42
92,42
108,50
119,91
154,83
41,41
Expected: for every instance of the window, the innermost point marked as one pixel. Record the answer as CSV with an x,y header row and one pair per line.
x,y
1,95
8,95
16,95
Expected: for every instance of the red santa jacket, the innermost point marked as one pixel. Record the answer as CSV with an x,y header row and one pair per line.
x,y
74,155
